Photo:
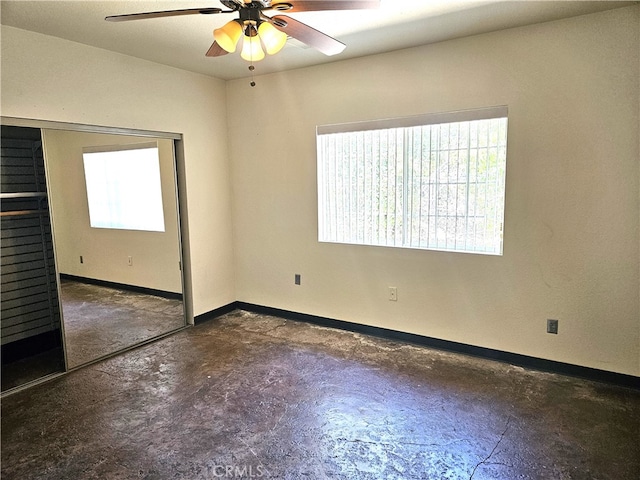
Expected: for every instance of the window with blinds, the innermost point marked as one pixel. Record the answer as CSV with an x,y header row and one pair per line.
x,y
431,181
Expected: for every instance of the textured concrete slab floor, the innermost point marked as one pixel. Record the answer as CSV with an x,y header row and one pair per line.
x,y
251,396
101,320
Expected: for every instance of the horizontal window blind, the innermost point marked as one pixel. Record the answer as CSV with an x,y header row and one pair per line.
x,y
439,185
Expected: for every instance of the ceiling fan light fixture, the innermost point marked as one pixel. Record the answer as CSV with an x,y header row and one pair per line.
x,y
228,35
272,38
251,47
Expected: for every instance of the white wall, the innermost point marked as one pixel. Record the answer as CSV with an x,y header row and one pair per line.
x,y
52,79
572,215
571,249
105,252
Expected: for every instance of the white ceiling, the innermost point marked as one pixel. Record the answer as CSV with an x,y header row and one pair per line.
x,y
182,41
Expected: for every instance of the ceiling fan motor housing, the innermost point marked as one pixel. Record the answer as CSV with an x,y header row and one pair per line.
x,y
250,14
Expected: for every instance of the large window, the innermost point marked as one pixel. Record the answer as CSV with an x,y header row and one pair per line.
x,y
123,187
431,181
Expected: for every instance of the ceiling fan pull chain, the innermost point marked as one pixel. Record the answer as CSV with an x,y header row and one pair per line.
x,y
251,69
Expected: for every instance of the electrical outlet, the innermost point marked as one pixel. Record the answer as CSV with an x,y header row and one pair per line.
x,y
130,261
393,294
552,326
297,279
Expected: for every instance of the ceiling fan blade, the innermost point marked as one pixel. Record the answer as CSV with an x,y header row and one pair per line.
x,y
232,4
166,13
215,50
306,34
317,5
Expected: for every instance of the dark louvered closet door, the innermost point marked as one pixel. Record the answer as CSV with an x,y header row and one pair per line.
x,y
30,333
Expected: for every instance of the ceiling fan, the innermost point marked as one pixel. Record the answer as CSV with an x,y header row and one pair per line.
x,y
260,30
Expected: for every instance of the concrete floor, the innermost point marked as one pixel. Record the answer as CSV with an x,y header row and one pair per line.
x,y
251,396
100,320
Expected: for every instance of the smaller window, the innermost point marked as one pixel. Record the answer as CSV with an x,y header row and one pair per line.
x,y
123,187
